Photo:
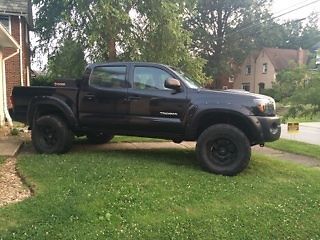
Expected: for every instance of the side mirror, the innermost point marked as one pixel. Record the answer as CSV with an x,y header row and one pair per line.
x,y
172,83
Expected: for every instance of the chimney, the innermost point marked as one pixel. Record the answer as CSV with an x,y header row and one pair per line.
x,y
300,56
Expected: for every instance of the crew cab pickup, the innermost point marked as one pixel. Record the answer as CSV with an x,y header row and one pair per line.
x,y
149,100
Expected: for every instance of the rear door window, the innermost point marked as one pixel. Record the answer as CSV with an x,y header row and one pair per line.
x,y
109,77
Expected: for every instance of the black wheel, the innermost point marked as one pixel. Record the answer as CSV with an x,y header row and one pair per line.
x,y
99,138
223,149
50,134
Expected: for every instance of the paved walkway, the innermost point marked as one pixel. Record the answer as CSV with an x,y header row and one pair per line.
x,y
307,161
9,146
308,132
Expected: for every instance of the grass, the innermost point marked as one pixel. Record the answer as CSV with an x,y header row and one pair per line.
x,y
282,110
315,118
2,159
161,194
296,147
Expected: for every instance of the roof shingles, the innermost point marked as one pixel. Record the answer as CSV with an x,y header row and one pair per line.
x,y
17,7
281,58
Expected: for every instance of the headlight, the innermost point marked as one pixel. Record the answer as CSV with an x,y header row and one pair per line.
x,y
265,106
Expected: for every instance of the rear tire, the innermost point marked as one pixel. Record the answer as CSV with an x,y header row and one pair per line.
x,y
223,149
50,134
99,138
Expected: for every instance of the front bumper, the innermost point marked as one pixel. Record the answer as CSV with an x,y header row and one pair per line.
x,y
271,128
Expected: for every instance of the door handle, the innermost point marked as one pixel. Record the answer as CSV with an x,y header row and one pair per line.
x,y
90,97
134,98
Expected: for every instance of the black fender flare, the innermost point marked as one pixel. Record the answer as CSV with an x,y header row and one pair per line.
x,y
40,101
250,120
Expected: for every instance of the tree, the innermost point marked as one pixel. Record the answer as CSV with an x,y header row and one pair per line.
x,y
162,37
68,61
221,30
298,87
96,24
122,30
288,81
305,101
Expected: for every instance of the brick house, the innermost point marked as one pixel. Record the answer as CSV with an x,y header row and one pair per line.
x,y
16,18
260,68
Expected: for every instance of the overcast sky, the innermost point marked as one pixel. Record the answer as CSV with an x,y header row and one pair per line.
x,y
282,6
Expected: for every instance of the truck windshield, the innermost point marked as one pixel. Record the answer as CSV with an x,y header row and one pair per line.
x,y
191,83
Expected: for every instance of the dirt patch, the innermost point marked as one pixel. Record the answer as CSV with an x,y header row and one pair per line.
x,y
11,187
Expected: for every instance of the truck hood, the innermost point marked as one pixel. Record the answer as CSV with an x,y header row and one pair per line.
x,y
238,100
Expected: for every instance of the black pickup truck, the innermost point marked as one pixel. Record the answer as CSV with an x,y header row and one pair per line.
x,y
150,100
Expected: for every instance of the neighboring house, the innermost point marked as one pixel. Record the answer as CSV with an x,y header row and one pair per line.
x,y
316,48
16,19
225,81
260,68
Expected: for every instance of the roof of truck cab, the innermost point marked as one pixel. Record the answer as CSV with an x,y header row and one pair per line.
x,y
93,65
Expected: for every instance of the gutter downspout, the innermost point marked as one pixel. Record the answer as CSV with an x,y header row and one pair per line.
x,y
2,118
4,86
28,42
21,64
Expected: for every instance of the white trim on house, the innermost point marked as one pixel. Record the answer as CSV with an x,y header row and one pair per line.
x,y
27,34
10,25
6,40
21,52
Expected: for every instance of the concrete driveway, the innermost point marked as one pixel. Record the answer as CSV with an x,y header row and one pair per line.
x,y
308,132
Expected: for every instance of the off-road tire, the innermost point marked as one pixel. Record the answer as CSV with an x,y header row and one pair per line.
x,y
50,134
223,149
99,138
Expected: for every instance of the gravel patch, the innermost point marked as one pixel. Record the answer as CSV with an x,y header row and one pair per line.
x,y
11,187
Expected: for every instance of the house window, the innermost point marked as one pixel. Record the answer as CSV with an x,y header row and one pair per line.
x,y
248,70
246,86
231,79
5,21
261,87
264,68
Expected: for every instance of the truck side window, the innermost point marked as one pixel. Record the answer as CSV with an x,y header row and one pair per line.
x,y
150,78
109,77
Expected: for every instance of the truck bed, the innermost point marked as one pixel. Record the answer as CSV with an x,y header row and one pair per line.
x,y
22,97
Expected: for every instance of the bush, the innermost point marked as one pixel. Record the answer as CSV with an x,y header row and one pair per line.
x,y
42,80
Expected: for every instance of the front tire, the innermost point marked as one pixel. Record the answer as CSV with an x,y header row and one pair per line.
x,y
223,149
50,134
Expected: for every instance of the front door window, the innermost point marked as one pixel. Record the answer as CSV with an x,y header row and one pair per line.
x,y
150,78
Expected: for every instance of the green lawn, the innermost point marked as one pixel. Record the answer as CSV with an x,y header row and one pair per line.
x,y
161,194
2,159
311,118
306,149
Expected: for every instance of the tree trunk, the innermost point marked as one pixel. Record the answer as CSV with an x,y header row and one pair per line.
x,y
112,49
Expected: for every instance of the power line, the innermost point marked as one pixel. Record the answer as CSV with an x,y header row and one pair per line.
x,y
272,18
285,9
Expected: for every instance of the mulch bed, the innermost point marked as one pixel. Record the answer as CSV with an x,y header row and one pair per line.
x,y
11,187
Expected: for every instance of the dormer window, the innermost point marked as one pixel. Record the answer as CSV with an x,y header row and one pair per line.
x,y
5,21
264,68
